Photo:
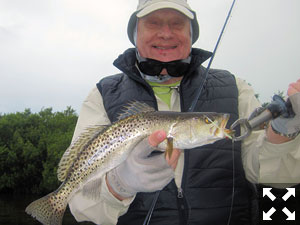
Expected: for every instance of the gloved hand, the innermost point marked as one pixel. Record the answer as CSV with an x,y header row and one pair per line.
x,y
140,172
289,127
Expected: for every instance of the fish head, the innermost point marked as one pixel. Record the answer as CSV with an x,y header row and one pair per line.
x,y
196,129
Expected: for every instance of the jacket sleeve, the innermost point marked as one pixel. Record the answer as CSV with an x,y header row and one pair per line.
x,y
92,113
106,209
277,165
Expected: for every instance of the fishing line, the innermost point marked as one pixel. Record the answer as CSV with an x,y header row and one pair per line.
x,y
233,169
194,102
233,186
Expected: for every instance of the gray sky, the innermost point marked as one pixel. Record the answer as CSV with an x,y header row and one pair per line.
x,y
52,52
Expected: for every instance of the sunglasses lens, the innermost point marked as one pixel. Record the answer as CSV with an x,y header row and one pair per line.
x,y
150,68
177,69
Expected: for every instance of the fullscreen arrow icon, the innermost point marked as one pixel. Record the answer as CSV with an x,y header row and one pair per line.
x,y
290,192
267,215
290,215
267,192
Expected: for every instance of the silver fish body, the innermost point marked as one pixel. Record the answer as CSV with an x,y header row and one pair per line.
x,y
85,161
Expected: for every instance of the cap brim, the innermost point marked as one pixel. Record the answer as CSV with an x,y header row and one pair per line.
x,y
165,5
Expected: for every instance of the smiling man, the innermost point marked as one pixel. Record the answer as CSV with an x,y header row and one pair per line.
x,y
164,35
196,185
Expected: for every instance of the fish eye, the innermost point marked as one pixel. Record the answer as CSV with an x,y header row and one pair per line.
x,y
207,121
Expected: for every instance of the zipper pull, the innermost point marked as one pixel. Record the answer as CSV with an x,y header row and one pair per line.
x,y
180,193
177,88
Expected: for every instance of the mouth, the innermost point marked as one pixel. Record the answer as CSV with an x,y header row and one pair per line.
x,y
227,132
164,47
165,52
222,128
224,121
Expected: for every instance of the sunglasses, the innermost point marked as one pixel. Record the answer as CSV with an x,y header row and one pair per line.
x,y
153,67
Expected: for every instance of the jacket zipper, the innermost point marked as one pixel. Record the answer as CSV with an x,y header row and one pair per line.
x,y
181,207
179,193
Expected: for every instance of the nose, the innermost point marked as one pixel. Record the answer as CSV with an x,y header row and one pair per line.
x,y
165,32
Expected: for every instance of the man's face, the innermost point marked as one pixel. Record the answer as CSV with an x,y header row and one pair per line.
x,y
164,35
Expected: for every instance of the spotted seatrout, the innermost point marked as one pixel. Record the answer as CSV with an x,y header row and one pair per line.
x,y
99,150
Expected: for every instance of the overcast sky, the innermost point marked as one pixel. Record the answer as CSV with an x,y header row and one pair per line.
x,y
52,52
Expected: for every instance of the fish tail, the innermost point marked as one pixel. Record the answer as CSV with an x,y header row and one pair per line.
x,y
49,210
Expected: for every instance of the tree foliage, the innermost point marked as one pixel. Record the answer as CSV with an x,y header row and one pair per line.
x,y
31,145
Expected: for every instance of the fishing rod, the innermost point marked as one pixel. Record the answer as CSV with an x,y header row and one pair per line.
x,y
194,102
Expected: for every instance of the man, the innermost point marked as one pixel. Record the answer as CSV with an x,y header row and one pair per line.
x,y
164,71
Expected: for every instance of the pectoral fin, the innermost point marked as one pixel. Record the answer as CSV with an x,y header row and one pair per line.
x,y
169,149
92,189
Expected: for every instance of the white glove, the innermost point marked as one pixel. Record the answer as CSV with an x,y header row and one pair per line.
x,y
140,172
289,127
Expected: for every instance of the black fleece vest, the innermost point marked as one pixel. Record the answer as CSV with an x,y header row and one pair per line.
x,y
205,196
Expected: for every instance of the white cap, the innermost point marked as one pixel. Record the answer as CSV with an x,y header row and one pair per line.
x,y
146,7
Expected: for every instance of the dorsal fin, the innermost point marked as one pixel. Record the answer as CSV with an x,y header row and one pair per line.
x,y
75,148
135,107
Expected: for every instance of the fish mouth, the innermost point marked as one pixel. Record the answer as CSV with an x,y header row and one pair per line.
x,y
222,128
224,121
228,132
